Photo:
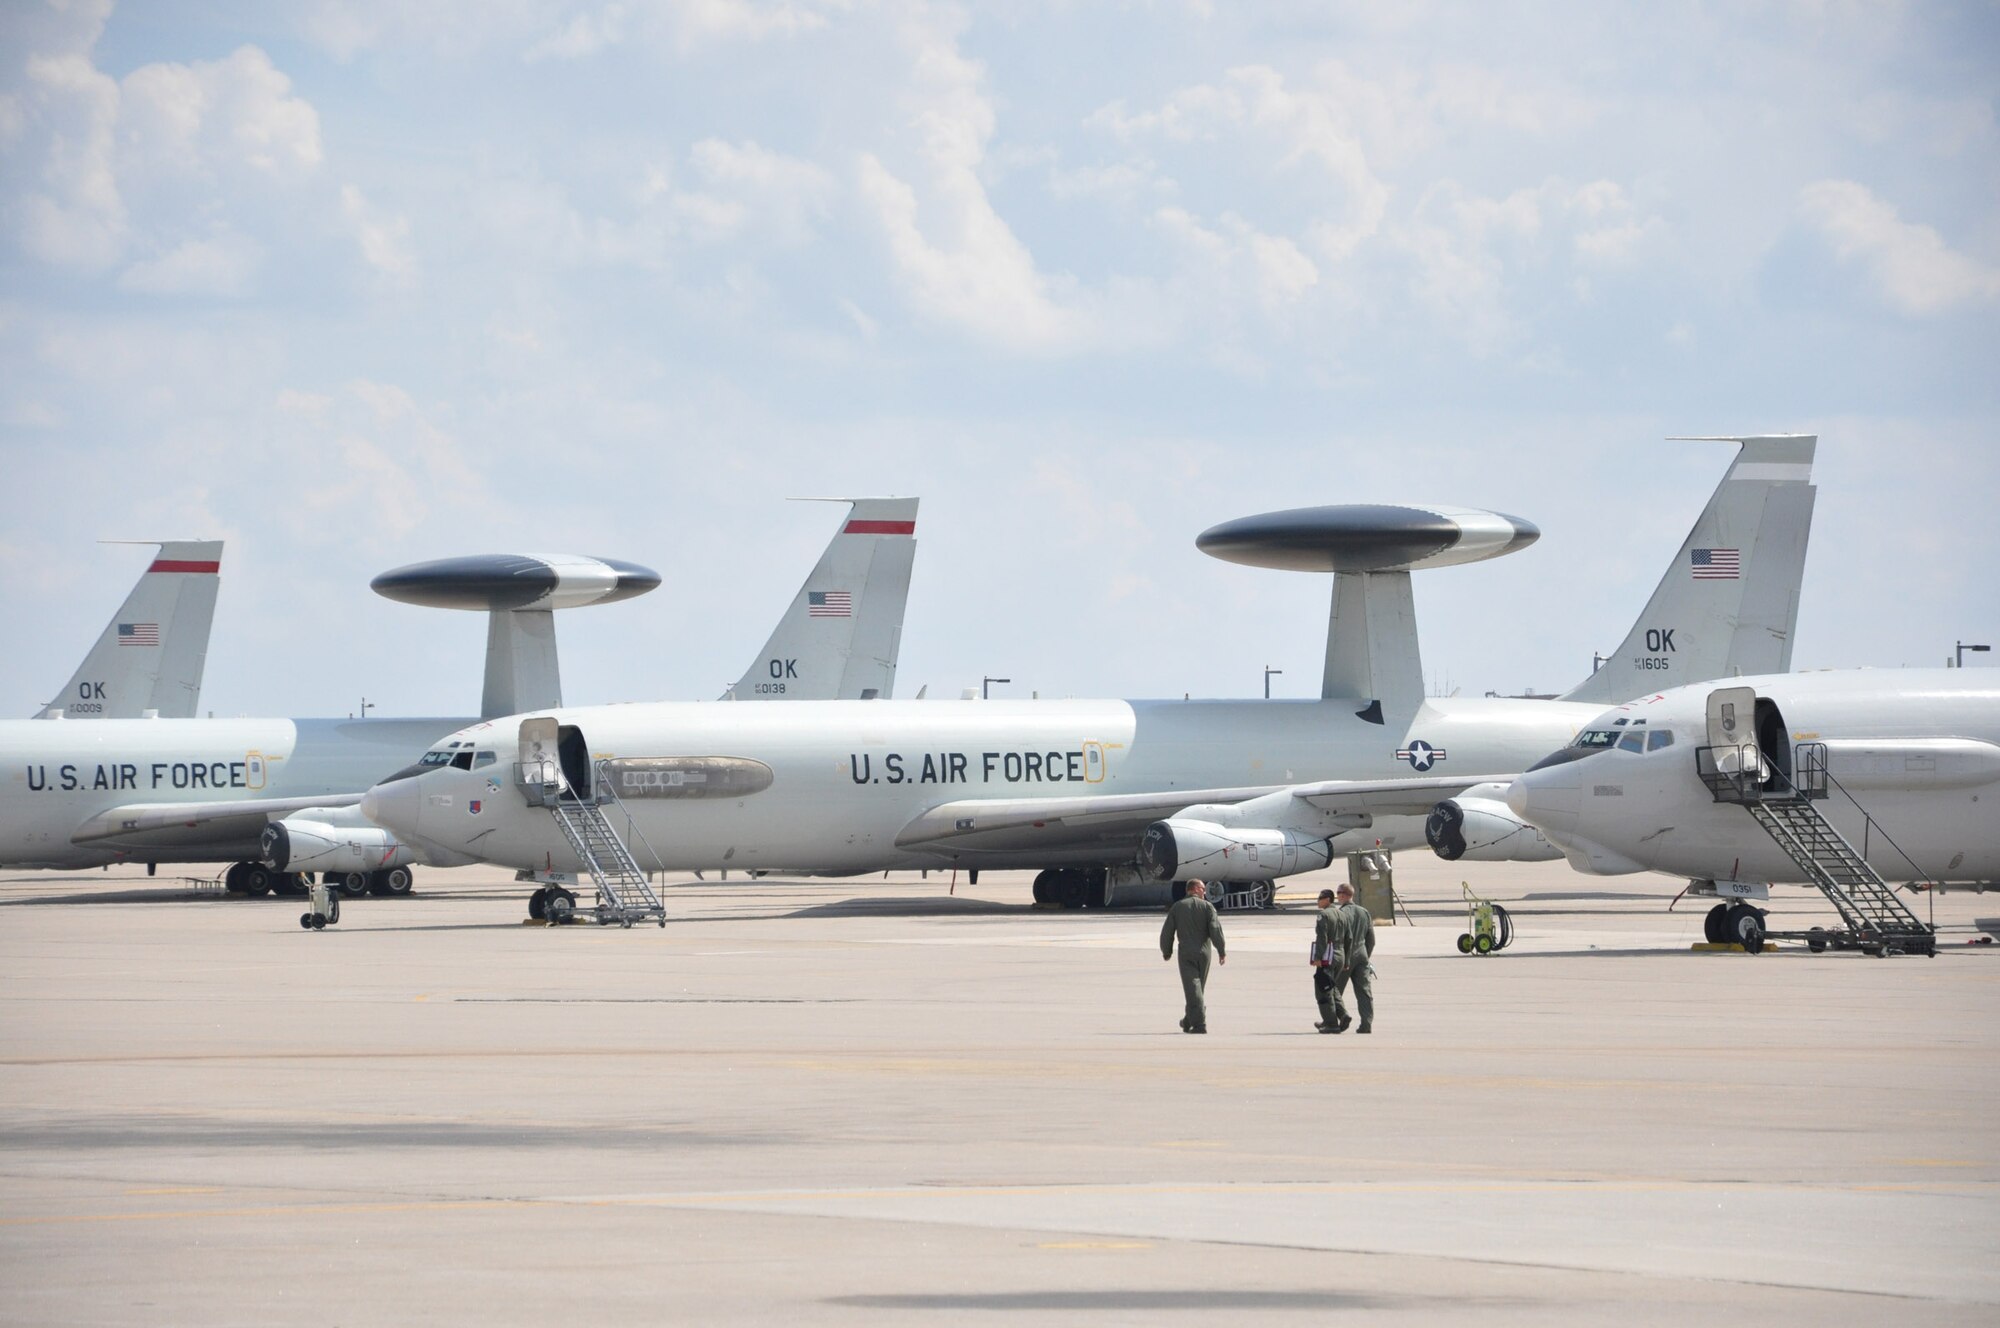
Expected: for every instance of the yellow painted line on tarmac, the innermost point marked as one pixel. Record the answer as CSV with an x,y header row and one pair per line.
x,y
763,1200
179,1189
269,1210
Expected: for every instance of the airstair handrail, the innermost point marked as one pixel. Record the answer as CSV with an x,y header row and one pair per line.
x,y
609,789
1869,822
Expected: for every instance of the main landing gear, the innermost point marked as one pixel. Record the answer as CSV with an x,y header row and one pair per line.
x,y
1074,887
252,879
1735,924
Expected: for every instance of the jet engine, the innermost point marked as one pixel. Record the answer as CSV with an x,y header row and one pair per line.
x,y
294,845
1185,850
1480,829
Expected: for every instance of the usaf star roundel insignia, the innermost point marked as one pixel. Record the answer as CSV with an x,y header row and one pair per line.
x,y
1420,754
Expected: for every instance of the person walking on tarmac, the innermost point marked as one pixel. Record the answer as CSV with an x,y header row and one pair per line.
x,y
1325,953
1352,946
1194,923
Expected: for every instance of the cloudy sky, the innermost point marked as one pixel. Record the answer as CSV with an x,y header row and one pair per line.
x,y
351,284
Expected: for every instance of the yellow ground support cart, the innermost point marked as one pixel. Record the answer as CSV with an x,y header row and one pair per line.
x,y
1488,927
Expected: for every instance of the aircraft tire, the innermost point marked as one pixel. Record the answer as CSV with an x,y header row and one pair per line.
x,y
354,884
258,879
560,907
1742,925
1070,890
538,904
397,880
1044,888
1711,926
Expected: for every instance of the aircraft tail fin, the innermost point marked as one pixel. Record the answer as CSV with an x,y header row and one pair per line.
x,y
839,638
152,652
1729,603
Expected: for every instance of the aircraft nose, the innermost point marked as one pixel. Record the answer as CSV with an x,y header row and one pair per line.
x,y
394,806
1547,798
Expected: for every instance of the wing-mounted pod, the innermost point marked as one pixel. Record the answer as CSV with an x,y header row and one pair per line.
x,y
1479,826
1371,641
519,594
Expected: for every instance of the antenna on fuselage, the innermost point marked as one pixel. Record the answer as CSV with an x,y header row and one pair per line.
x,y
1372,656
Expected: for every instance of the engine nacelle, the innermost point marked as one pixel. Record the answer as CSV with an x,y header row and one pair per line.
x,y
1484,830
1186,850
295,845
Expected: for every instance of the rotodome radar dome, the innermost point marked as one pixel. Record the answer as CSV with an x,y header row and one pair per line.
x,y
1367,537
498,582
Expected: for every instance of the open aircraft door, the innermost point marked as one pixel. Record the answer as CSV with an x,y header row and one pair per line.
x,y
1747,733
540,766
1731,716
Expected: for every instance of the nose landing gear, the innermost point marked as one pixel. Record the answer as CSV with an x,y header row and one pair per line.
x,y
1735,924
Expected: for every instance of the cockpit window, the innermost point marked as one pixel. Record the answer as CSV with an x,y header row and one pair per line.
x,y
1659,738
435,758
484,758
462,760
1592,739
1632,742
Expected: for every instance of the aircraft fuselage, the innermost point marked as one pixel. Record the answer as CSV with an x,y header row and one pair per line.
x,y
56,776
846,778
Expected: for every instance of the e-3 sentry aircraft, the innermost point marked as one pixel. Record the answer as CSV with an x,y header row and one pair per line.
x,y
1726,783
1116,801
149,659
275,796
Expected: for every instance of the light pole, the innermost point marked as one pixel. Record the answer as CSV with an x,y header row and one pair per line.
x,y
985,683
1268,671
1963,647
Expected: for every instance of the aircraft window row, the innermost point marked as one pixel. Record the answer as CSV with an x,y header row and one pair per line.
x,y
1635,739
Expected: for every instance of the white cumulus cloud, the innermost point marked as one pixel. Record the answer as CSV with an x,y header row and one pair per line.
x,y
1913,267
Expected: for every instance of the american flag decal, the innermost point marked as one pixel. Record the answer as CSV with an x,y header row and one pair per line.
x,y
829,604
138,634
1716,564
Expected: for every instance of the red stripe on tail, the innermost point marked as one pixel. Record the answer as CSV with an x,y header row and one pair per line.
x,y
879,528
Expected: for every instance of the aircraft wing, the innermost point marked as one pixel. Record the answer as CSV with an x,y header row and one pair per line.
x,y
1390,797
140,820
1066,825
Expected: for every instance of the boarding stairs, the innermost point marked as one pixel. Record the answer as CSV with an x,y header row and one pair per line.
x,y
624,895
1874,918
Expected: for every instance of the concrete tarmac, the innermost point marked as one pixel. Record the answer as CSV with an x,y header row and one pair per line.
x,y
892,1101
